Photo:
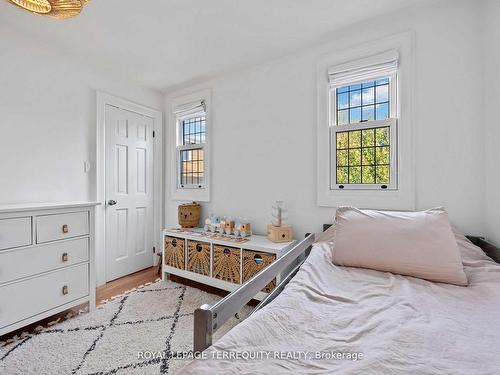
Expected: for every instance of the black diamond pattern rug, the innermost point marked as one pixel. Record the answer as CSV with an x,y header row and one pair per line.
x,y
137,333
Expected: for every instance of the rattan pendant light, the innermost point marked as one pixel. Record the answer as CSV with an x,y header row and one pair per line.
x,y
60,9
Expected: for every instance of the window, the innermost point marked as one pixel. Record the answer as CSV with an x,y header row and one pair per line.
x,y
363,156
191,143
382,171
363,127
365,101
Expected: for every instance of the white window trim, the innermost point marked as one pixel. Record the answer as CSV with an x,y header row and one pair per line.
x,y
188,193
180,147
404,197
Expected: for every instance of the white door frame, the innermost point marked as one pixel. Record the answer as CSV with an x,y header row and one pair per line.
x,y
104,99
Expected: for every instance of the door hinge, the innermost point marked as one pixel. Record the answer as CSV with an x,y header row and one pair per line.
x,y
154,249
154,134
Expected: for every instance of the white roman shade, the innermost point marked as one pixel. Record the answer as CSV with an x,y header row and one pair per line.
x,y
190,108
383,64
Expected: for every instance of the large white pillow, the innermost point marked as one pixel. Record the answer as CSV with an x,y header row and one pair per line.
x,y
419,244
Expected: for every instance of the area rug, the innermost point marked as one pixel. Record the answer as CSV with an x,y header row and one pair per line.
x,y
140,332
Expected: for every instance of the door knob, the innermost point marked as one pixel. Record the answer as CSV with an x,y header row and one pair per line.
x,y
111,202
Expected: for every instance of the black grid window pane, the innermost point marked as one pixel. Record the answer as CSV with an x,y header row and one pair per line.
x,y
193,130
366,101
363,156
192,171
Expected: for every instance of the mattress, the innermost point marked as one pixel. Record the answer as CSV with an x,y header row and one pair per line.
x,y
341,320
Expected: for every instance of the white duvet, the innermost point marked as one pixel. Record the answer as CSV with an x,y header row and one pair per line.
x,y
397,324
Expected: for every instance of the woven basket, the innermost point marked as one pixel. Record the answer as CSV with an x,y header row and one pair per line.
x,y
174,252
189,215
226,264
254,262
199,257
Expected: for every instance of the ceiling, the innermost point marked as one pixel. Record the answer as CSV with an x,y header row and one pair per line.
x,y
165,43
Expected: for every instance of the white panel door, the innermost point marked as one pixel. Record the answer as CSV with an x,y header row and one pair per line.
x,y
129,192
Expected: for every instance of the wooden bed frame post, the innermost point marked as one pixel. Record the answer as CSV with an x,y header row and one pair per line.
x,y
203,328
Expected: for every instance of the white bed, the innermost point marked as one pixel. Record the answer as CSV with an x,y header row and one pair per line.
x,y
401,325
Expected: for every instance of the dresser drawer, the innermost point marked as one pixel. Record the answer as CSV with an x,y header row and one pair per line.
x,y
21,263
256,261
59,226
199,257
226,264
30,297
175,253
15,232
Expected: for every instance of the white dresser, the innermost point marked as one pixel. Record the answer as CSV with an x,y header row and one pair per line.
x,y
46,261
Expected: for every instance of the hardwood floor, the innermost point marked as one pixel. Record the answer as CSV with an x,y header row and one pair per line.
x,y
103,293
121,285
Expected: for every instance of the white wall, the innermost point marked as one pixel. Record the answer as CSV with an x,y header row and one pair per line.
x,y
264,123
48,120
491,58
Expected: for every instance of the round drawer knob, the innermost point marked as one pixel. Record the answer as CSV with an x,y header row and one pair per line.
x,y
65,257
198,247
65,228
227,252
65,290
174,242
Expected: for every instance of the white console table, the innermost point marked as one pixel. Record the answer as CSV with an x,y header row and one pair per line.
x,y
203,258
